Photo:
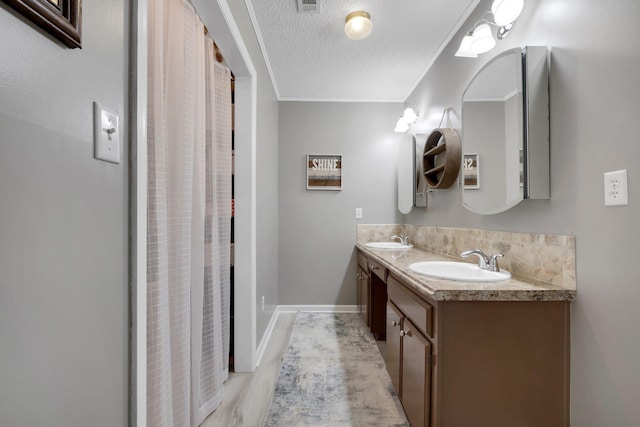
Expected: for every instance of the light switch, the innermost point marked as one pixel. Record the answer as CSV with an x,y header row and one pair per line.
x,y
106,134
615,188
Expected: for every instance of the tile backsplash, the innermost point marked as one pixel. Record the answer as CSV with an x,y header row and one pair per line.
x,y
545,258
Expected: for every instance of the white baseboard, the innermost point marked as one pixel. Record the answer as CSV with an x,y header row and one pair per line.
x,y
266,337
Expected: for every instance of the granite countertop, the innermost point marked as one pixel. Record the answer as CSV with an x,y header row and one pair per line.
x,y
398,261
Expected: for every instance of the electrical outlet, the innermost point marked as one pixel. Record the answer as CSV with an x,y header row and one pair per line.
x,y
358,213
615,188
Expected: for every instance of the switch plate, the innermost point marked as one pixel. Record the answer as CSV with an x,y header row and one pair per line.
x,y
615,188
358,213
106,134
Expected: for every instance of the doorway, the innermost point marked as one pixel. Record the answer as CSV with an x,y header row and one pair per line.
x,y
219,20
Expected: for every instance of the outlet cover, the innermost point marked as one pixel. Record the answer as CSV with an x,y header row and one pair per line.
x,y
615,188
106,134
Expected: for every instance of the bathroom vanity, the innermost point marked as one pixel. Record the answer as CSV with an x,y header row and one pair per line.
x,y
464,354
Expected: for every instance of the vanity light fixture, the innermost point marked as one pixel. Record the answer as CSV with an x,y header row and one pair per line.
x,y
409,116
480,38
358,25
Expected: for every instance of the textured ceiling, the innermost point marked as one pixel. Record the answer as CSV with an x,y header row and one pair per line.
x,y
310,58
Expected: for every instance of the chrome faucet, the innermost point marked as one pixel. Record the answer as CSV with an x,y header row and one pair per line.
x,y
484,261
404,240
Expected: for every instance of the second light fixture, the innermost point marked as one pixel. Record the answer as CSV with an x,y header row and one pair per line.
x,y
480,38
358,25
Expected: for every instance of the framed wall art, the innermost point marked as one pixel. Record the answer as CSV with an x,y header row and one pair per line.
x,y
324,172
60,18
470,172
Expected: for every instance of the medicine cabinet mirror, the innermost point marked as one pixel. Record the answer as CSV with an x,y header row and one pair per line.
x,y
407,181
505,132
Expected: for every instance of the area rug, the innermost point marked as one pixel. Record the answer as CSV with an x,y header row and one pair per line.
x,y
333,374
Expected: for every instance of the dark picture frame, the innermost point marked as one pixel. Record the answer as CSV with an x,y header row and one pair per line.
x,y
324,172
60,18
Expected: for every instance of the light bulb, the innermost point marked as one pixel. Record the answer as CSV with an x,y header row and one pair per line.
x,y
482,39
465,48
358,25
506,11
409,115
401,126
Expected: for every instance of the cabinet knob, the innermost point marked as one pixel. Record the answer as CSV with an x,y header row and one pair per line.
x,y
402,333
394,323
375,267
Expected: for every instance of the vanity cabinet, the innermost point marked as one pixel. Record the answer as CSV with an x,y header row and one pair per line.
x,y
484,363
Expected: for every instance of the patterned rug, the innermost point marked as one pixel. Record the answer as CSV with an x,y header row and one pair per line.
x,y
333,374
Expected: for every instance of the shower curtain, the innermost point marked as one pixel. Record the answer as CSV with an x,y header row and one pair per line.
x,y
189,209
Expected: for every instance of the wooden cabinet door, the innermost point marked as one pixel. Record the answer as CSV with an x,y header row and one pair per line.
x,y
416,375
393,349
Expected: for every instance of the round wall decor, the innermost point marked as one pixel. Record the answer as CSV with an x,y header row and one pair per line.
x,y
441,158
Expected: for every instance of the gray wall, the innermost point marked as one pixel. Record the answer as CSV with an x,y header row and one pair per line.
x,y
63,225
266,174
317,228
595,105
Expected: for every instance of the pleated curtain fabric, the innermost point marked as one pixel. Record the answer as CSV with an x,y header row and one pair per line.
x,y
189,208
213,363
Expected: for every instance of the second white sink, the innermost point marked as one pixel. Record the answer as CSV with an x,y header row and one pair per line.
x,y
462,271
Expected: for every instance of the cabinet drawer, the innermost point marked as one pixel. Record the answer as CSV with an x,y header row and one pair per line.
x,y
378,270
419,311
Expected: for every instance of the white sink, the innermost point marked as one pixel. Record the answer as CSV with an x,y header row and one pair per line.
x,y
462,271
387,245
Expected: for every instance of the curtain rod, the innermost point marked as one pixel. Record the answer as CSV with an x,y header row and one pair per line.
x,y
219,56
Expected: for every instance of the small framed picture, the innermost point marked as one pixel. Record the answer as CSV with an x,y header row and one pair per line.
x,y
324,172
471,176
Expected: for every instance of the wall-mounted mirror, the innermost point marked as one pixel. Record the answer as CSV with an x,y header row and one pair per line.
x,y
407,181
505,132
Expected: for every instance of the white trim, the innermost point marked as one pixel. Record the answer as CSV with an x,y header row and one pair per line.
x,y
245,227
454,30
263,47
267,335
245,184
318,308
138,217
